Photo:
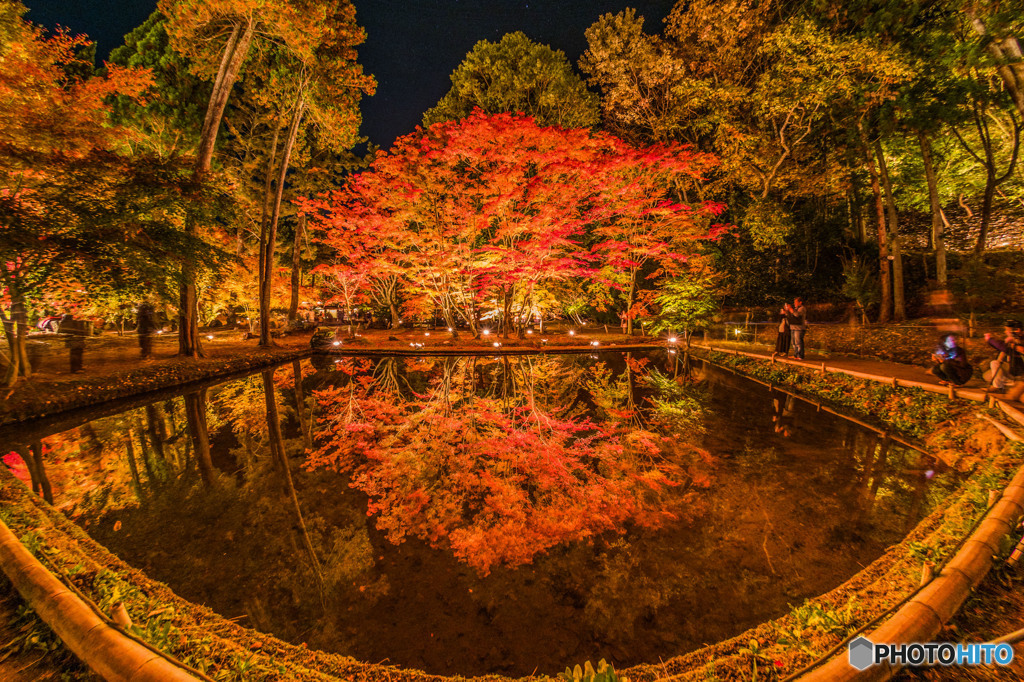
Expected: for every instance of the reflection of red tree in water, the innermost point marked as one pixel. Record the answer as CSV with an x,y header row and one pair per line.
x,y
494,482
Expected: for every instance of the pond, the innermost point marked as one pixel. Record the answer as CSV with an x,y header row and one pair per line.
x,y
468,515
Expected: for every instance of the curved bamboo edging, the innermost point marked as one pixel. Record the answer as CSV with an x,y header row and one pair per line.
x,y
108,652
921,619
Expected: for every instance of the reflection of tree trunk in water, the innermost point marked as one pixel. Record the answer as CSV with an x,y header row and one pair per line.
x,y
386,375
93,444
44,480
448,373
250,454
186,459
916,502
156,429
873,476
277,450
33,458
33,474
879,474
132,466
507,389
860,457
178,459
195,414
144,453
631,388
305,424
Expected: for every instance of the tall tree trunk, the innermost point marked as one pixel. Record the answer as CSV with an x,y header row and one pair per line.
x,y
235,51
938,225
195,414
30,463
1006,52
393,308
300,233
884,275
990,182
16,332
506,312
899,304
14,359
630,296
992,179
268,207
270,239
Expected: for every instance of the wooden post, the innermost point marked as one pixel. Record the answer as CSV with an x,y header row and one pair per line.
x,y
927,573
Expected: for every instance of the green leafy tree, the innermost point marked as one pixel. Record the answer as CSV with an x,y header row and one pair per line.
x,y
75,212
686,303
517,75
171,115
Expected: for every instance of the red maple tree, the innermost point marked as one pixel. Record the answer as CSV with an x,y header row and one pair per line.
x,y
493,207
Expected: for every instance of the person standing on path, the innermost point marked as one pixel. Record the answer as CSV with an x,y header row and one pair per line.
x,y
74,332
145,327
784,336
796,314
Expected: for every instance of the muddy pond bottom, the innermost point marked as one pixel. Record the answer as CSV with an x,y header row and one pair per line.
x,y
471,515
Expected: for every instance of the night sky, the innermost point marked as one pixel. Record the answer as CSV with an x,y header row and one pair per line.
x,y
412,45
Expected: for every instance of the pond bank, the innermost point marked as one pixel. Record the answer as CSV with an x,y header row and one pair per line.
x,y
120,373
776,644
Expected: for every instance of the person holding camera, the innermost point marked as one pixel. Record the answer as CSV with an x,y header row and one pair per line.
x,y
1010,360
951,366
796,315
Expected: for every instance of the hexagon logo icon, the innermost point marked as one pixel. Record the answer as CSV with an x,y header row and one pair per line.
x,y
862,653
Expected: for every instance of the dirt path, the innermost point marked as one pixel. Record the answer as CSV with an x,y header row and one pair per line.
x,y
974,389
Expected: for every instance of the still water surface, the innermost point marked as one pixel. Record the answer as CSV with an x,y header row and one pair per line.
x,y
466,515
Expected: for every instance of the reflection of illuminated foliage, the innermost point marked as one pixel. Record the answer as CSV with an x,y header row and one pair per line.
x,y
494,467
117,461
679,405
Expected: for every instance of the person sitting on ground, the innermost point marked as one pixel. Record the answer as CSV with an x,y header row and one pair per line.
x,y
951,362
1010,361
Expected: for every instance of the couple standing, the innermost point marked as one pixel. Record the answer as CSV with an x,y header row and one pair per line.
x,y
792,328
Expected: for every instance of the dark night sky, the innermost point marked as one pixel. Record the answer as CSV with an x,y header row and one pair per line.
x,y
412,45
